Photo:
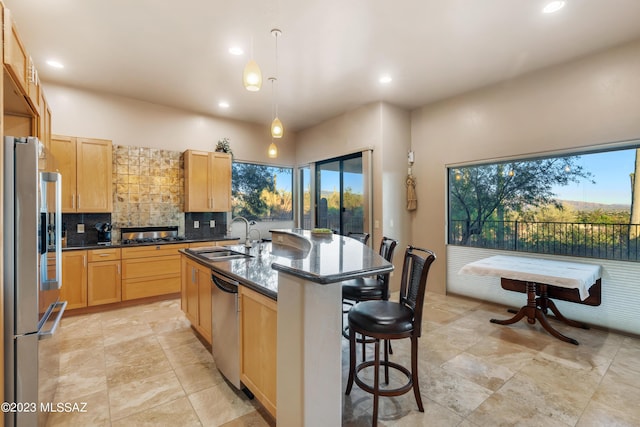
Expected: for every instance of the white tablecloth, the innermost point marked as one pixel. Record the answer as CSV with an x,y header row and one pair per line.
x,y
557,273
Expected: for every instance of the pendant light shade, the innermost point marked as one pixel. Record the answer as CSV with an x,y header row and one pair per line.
x,y
252,76
273,150
277,130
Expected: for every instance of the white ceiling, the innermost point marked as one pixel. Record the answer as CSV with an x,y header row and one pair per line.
x,y
330,54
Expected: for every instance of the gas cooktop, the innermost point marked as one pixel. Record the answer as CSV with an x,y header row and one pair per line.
x,y
142,235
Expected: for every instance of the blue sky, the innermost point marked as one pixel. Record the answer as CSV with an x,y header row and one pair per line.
x,y
610,171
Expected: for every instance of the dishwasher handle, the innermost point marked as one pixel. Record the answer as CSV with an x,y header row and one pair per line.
x,y
225,284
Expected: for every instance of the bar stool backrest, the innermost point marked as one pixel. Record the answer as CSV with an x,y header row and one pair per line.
x,y
363,237
414,282
387,248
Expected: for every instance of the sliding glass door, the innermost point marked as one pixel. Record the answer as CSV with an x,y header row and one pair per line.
x,y
340,201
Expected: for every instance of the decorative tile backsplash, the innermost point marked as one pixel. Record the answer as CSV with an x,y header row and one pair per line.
x,y
148,188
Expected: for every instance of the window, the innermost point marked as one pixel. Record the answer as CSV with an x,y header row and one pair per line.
x,y
581,205
305,197
261,193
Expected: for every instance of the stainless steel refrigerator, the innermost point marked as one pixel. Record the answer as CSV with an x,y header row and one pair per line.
x,y
31,281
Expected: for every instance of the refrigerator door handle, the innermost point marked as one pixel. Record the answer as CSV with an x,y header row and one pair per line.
x,y
43,335
48,283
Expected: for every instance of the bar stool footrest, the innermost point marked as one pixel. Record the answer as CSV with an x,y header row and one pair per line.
x,y
384,392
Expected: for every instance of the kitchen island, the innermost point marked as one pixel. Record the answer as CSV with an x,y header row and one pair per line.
x,y
302,272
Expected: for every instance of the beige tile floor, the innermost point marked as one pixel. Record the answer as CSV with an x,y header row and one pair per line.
x,y
143,366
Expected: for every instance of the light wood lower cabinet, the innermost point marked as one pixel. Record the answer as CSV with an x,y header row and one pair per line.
x,y
74,279
258,346
150,270
104,278
196,296
90,277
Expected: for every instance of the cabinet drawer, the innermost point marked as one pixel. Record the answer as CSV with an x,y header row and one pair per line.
x,y
107,254
152,251
145,287
151,267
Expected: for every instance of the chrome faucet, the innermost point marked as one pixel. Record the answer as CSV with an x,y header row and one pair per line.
x,y
247,243
254,229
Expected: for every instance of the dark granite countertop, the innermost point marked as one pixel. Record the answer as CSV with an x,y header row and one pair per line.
x,y
254,272
323,260
96,246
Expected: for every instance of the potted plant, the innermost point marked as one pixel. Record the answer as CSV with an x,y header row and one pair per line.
x,y
223,146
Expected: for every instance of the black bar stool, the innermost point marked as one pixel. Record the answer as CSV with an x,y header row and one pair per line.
x,y
369,288
388,320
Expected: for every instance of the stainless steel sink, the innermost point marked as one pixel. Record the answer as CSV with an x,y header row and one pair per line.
x,y
216,253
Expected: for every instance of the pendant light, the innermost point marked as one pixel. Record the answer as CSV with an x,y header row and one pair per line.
x,y
273,149
277,130
252,76
272,152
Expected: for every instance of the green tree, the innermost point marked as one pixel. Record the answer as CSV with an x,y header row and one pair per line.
x,y
250,183
487,192
247,183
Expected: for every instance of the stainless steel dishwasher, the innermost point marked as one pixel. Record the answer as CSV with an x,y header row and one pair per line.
x,y
225,327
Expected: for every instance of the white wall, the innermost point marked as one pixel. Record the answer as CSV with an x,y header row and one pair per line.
x,y
591,101
385,129
127,121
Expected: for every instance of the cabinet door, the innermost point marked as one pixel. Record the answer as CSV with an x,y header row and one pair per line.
x,y
221,182
104,282
190,290
258,346
15,55
204,302
197,195
63,160
94,165
74,279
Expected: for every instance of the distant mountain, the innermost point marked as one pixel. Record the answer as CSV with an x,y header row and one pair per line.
x,y
590,206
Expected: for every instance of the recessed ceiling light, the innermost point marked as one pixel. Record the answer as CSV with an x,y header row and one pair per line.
x,y
553,6
223,104
55,64
385,79
236,50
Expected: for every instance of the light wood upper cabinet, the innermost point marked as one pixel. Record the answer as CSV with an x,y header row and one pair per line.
x,y
221,182
94,163
16,59
207,181
19,64
85,165
63,160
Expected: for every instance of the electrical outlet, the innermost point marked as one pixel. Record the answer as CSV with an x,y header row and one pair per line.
x,y
280,239
376,224
80,228
196,224
212,223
